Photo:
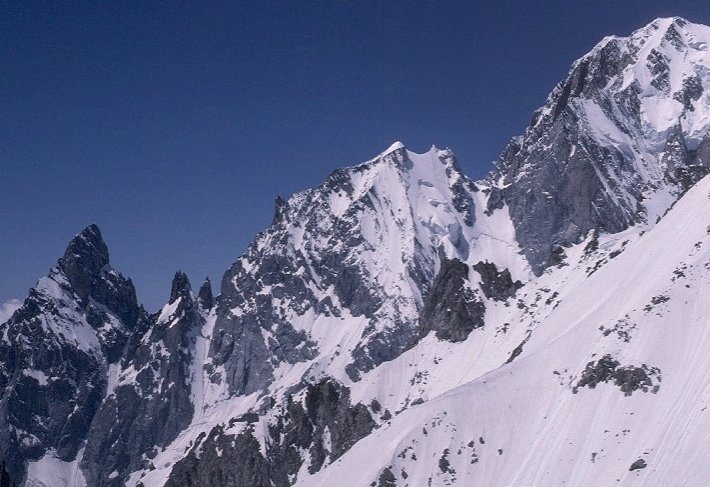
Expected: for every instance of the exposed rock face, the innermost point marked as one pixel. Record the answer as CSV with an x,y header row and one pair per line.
x,y
494,284
244,357
628,378
151,401
517,350
318,257
346,279
225,460
180,288
100,289
387,479
326,424
56,352
596,154
452,309
321,426
205,295
5,480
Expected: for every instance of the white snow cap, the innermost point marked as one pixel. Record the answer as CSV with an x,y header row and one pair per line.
x,y
396,146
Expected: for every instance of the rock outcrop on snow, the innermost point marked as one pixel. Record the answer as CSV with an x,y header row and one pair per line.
x,y
401,324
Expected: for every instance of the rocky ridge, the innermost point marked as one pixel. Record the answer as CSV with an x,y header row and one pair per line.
x,y
319,351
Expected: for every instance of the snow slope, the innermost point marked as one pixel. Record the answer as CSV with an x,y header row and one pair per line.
x,y
512,404
522,424
403,325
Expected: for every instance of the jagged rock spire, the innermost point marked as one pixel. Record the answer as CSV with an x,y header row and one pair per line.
x,y
181,287
83,259
205,296
280,205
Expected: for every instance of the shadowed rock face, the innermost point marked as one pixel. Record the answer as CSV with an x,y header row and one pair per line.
x,y
85,266
683,165
59,344
205,295
591,158
180,288
319,256
558,191
83,260
325,409
225,460
152,399
238,343
452,310
494,284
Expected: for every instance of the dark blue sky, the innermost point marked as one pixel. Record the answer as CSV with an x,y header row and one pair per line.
x,y
174,126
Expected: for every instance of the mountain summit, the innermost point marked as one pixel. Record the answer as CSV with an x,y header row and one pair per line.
x,y
401,324
615,143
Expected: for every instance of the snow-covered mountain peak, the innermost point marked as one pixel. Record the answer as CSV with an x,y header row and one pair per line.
x,y
667,31
659,74
400,158
397,145
401,325
366,243
664,33
665,66
402,199
84,290
616,142
58,347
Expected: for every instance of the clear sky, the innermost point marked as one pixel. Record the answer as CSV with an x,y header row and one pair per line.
x,y
174,125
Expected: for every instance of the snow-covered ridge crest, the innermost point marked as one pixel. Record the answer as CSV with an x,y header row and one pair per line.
x,y
540,420
366,242
335,286
616,142
322,313
388,318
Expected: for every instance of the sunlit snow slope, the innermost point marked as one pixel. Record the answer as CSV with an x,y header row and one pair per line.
x,y
403,325
531,423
